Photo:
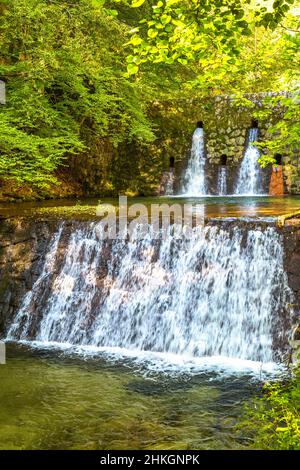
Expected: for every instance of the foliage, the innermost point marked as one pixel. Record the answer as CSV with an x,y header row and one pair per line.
x,y
274,420
233,47
63,65
31,158
286,131
189,30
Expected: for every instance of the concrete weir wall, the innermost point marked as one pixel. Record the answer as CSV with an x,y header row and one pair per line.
x,y
24,244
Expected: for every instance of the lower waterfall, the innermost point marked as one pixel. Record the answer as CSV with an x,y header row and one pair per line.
x,y
218,292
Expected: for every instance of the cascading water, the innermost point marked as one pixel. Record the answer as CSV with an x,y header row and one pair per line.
x,y
194,178
215,293
249,181
222,181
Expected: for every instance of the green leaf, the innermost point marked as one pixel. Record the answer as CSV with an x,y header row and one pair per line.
x,y
136,40
165,19
152,33
132,69
112,12
137,3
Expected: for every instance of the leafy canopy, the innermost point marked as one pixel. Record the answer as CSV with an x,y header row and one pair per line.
x,y
201,30
63,63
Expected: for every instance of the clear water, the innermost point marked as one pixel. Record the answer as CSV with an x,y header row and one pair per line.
x,y
52,401
221,207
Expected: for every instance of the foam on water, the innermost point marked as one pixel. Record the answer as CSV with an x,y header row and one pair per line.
x,y
166,363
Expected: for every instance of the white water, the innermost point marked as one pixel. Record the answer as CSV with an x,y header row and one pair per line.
x,y
216,294
194,178
222,181
168,363
249,182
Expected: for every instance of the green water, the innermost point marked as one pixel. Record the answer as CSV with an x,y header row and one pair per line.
x,y
52,401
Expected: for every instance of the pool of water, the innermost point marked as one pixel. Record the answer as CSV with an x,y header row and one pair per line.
x,y
229,206
50,400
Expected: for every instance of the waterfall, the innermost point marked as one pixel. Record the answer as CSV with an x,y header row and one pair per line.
x,y
194,178
222,181
249,181
218,292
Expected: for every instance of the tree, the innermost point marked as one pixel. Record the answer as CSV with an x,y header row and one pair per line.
x,y
198,30
63,66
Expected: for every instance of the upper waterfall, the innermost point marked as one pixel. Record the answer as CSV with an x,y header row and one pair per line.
x,y
216,293
194,183
249,182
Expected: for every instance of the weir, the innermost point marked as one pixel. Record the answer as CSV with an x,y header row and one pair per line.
x,y
223,292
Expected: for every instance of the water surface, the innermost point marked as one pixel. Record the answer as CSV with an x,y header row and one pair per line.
x,y
214,206
49,400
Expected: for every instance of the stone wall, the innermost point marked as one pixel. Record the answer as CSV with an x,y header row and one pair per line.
x,y
137,168
292,267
